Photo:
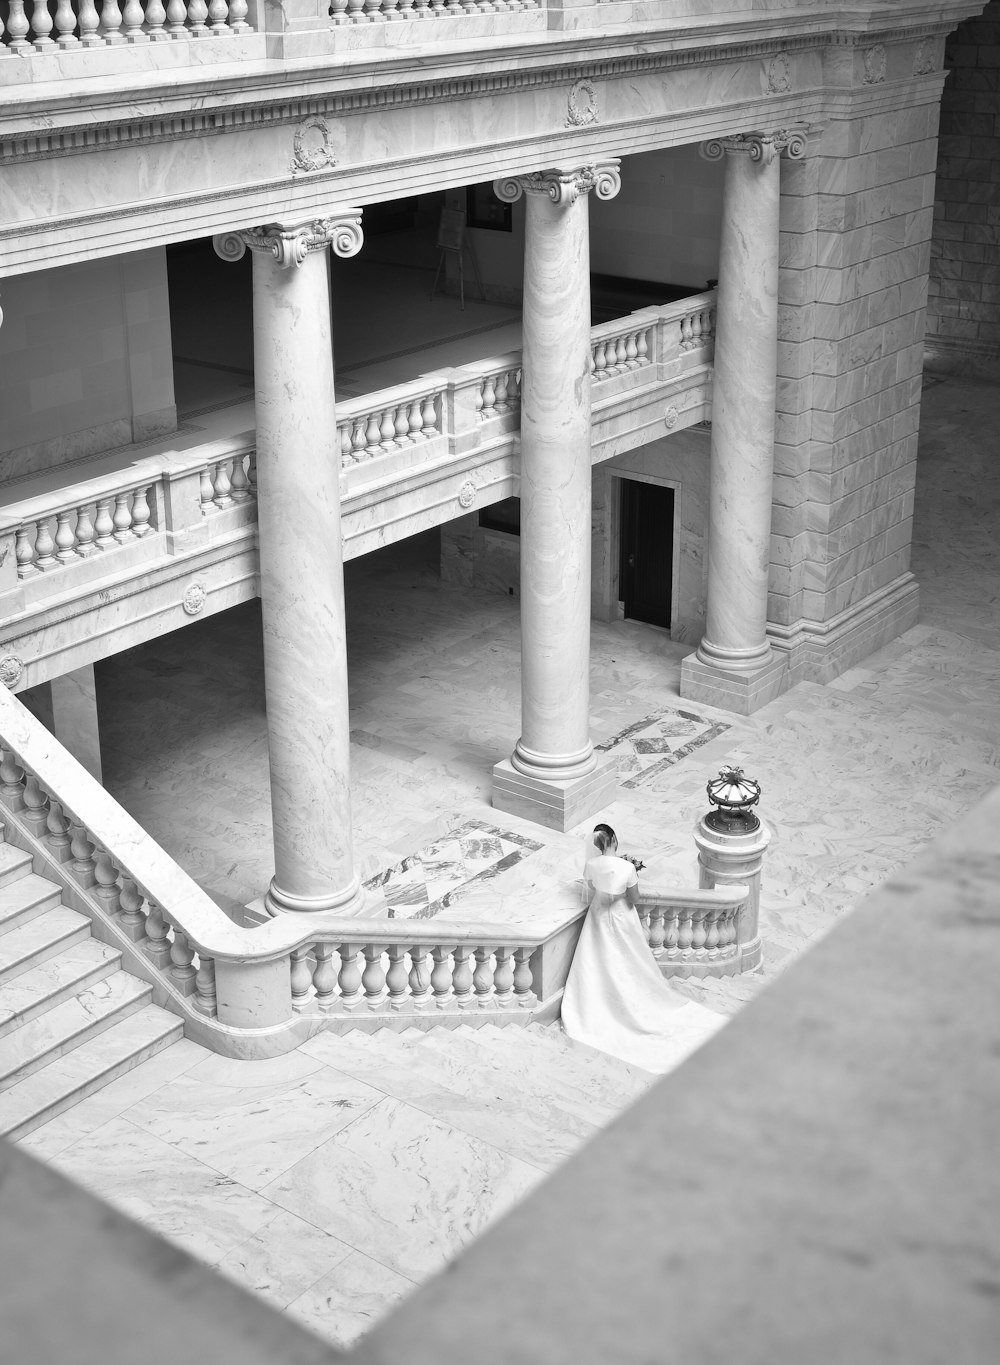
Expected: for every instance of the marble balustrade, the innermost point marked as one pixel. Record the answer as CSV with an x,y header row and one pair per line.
x,y
693,933
49,26
394,11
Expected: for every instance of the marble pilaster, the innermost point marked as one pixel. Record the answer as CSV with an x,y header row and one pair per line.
x,y
733,666
301,563
553,775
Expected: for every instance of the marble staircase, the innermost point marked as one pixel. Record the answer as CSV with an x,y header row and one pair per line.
x,y
70,1019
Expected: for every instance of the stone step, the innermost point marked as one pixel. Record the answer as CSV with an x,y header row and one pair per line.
x,y
38,940
14,862
58,1030
25,898
450,1090
51,982
70,1078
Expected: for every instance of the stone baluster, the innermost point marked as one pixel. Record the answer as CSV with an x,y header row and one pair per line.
x,y
503,977
41,26
698,932
85,546
429,415
65,540
18,26
685,333
57,833
156,17
387,430
204,984
396,977
657,931
11,781
106,885
553,772
733,665
482,978
205,491
66,25
132,21
349,977
415,421
373,976
372,434
182,969
221,486
461,977
500,401
305,654
523,993
36,806
157,945
405,9
104,525
238,10
131,919
401,425
324,977
122,517
419,977
338,13
177,18
600,360
44,547
685,928
197,13
356,12
631,351
420,9
140,512
489,397
346,451
712,932
82,856
373,11
621,354
671,936
24,553
218,17
89,22
111,23
441,976
301,976
642,347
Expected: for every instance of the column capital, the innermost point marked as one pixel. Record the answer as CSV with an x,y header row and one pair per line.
x,y
759,146
290,243
563,186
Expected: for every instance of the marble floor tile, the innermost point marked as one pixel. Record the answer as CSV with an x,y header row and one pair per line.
x,y
252,1132
403,1188
347,1302
284,1258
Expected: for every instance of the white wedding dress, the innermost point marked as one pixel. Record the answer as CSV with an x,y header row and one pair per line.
x,y
616,999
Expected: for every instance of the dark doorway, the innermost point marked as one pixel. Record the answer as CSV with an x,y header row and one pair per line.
x,y
647,551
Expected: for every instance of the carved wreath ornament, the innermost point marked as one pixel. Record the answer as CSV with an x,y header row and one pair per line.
x,y
875,64
582,105
312,149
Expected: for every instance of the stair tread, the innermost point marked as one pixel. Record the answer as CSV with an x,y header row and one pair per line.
x,y
94,1062
56,1030
40,937
49,981
501,1116
13,861
19,897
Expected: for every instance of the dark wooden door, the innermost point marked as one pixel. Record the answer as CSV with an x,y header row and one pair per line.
x,y
647,551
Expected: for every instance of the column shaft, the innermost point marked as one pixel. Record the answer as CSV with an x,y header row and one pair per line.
x,y
302,588
555,492
743,398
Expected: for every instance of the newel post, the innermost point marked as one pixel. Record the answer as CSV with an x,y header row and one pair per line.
x,y
731,842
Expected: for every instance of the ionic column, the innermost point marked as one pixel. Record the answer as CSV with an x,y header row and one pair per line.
x,y
734,666
553,775
301,562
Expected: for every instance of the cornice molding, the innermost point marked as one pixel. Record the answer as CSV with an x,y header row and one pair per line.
x,y
183,124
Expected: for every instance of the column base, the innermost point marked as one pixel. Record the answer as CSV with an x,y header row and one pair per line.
x,y
366,905
742,693
547,801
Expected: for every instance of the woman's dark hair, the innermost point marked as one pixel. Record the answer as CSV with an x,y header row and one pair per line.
x,y
604,837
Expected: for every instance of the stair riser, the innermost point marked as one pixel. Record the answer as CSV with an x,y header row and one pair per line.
x,y
14,871
74,1039
43,953
91,1086
100,972
31,911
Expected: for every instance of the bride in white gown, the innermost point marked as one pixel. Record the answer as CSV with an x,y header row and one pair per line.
x,y
616,998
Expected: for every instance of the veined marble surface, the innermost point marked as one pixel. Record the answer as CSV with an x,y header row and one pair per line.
x,y
272,1170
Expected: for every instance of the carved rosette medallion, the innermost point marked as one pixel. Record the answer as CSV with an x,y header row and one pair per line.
x,y
874,59
290,244
779,75
563,187
312,148
467,494
759,147
670,417
194,598
583,107
925,60
11,668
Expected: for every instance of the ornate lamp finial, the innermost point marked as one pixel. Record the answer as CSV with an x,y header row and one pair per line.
x,y
733,795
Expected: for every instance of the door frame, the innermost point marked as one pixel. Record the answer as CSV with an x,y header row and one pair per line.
x,y
615,476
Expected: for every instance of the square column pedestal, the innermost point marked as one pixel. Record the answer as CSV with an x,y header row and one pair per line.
x,y
557,805
742,693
